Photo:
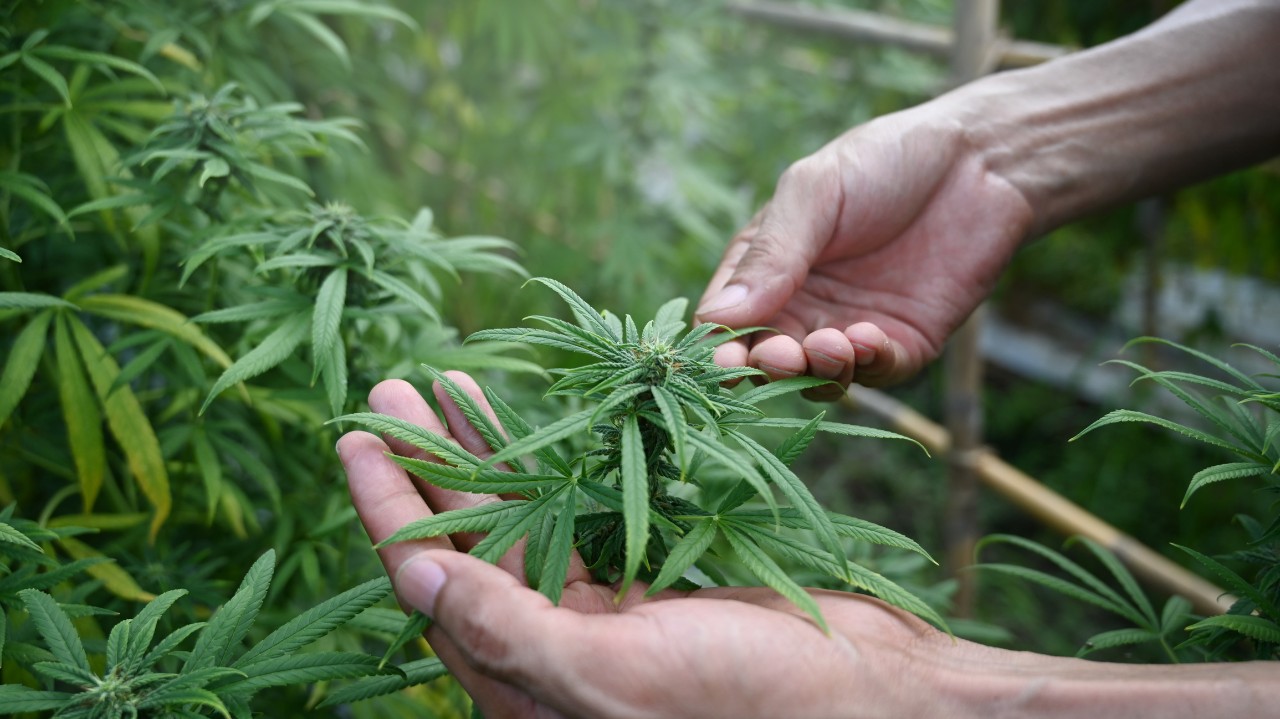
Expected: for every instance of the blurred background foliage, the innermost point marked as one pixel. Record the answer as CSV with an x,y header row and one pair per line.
x,y
615,145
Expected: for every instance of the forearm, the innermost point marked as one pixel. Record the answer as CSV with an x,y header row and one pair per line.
x,y
1017,684
1193,95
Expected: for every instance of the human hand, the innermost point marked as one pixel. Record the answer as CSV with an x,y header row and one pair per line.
x,y
870,253
729,651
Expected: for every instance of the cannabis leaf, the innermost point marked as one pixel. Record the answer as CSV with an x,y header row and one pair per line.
x,y
655,419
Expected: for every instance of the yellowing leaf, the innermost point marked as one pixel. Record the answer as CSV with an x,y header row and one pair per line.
x,y
129,424
83,419
24,357
117,581
153,315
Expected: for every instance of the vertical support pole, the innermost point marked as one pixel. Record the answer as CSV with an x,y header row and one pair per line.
x,y
1151,218
974,24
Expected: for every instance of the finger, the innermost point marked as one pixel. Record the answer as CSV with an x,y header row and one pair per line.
x,y
778,357
384,497
829,355
502,630
399,399
797,225
878,360
732,354
729,260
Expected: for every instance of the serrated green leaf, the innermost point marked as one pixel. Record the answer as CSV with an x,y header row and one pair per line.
x,y
1241,376
512,527
734,462
11,535
20,367
31,301
1114,602
100,58
634,479
172,641
588,318
780,387
18,699
316,622
33,191
81,414
128,423
1123,577
766,570
480,518
326,318
793,446
688,550
143,628
411,629
478,481
253,311
55,628
840,428
65,673
51,76
411,674
1235,582
181,697
490,432
409,433
1258,628
10,255
403,291
1116,638
543,437
519,429
675,424
555,566
1062,586
1128,415
334,376
274,349
795,491
300,669
227,628
1220,472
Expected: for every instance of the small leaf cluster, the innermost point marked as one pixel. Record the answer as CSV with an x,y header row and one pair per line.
x,y
193,670
1130,603
1242,417
326,264
657,420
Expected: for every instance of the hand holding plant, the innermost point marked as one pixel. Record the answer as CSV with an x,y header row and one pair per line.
x,y
723,651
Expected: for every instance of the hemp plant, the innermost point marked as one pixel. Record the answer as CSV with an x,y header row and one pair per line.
x,y
636,497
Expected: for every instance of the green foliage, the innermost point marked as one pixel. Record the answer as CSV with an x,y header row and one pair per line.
x,y
1130,603
139,672
654,419
1241,415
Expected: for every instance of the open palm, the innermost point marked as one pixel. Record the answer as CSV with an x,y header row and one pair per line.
x,y
728,651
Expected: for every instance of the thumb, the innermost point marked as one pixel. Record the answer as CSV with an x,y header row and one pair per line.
x,y
770,260
503,629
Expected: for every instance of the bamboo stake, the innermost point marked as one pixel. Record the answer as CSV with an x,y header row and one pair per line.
x,y
1048,506
866,26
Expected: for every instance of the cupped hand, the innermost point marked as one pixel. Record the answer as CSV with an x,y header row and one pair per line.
x,y
716,652
870,253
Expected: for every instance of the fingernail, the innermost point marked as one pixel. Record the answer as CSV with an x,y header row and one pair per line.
x,y
729,296
863,355
776,372
419,582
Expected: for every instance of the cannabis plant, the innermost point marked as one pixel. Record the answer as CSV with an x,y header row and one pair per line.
x,y
636,496
1243,419
142,673
1164,629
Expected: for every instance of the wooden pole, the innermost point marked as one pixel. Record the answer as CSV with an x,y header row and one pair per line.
x,y
974,23
863,26
1051,508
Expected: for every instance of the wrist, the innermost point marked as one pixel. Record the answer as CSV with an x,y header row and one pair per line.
x,y
1172,104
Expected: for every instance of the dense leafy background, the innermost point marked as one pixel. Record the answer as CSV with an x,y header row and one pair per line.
x,y
241,161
